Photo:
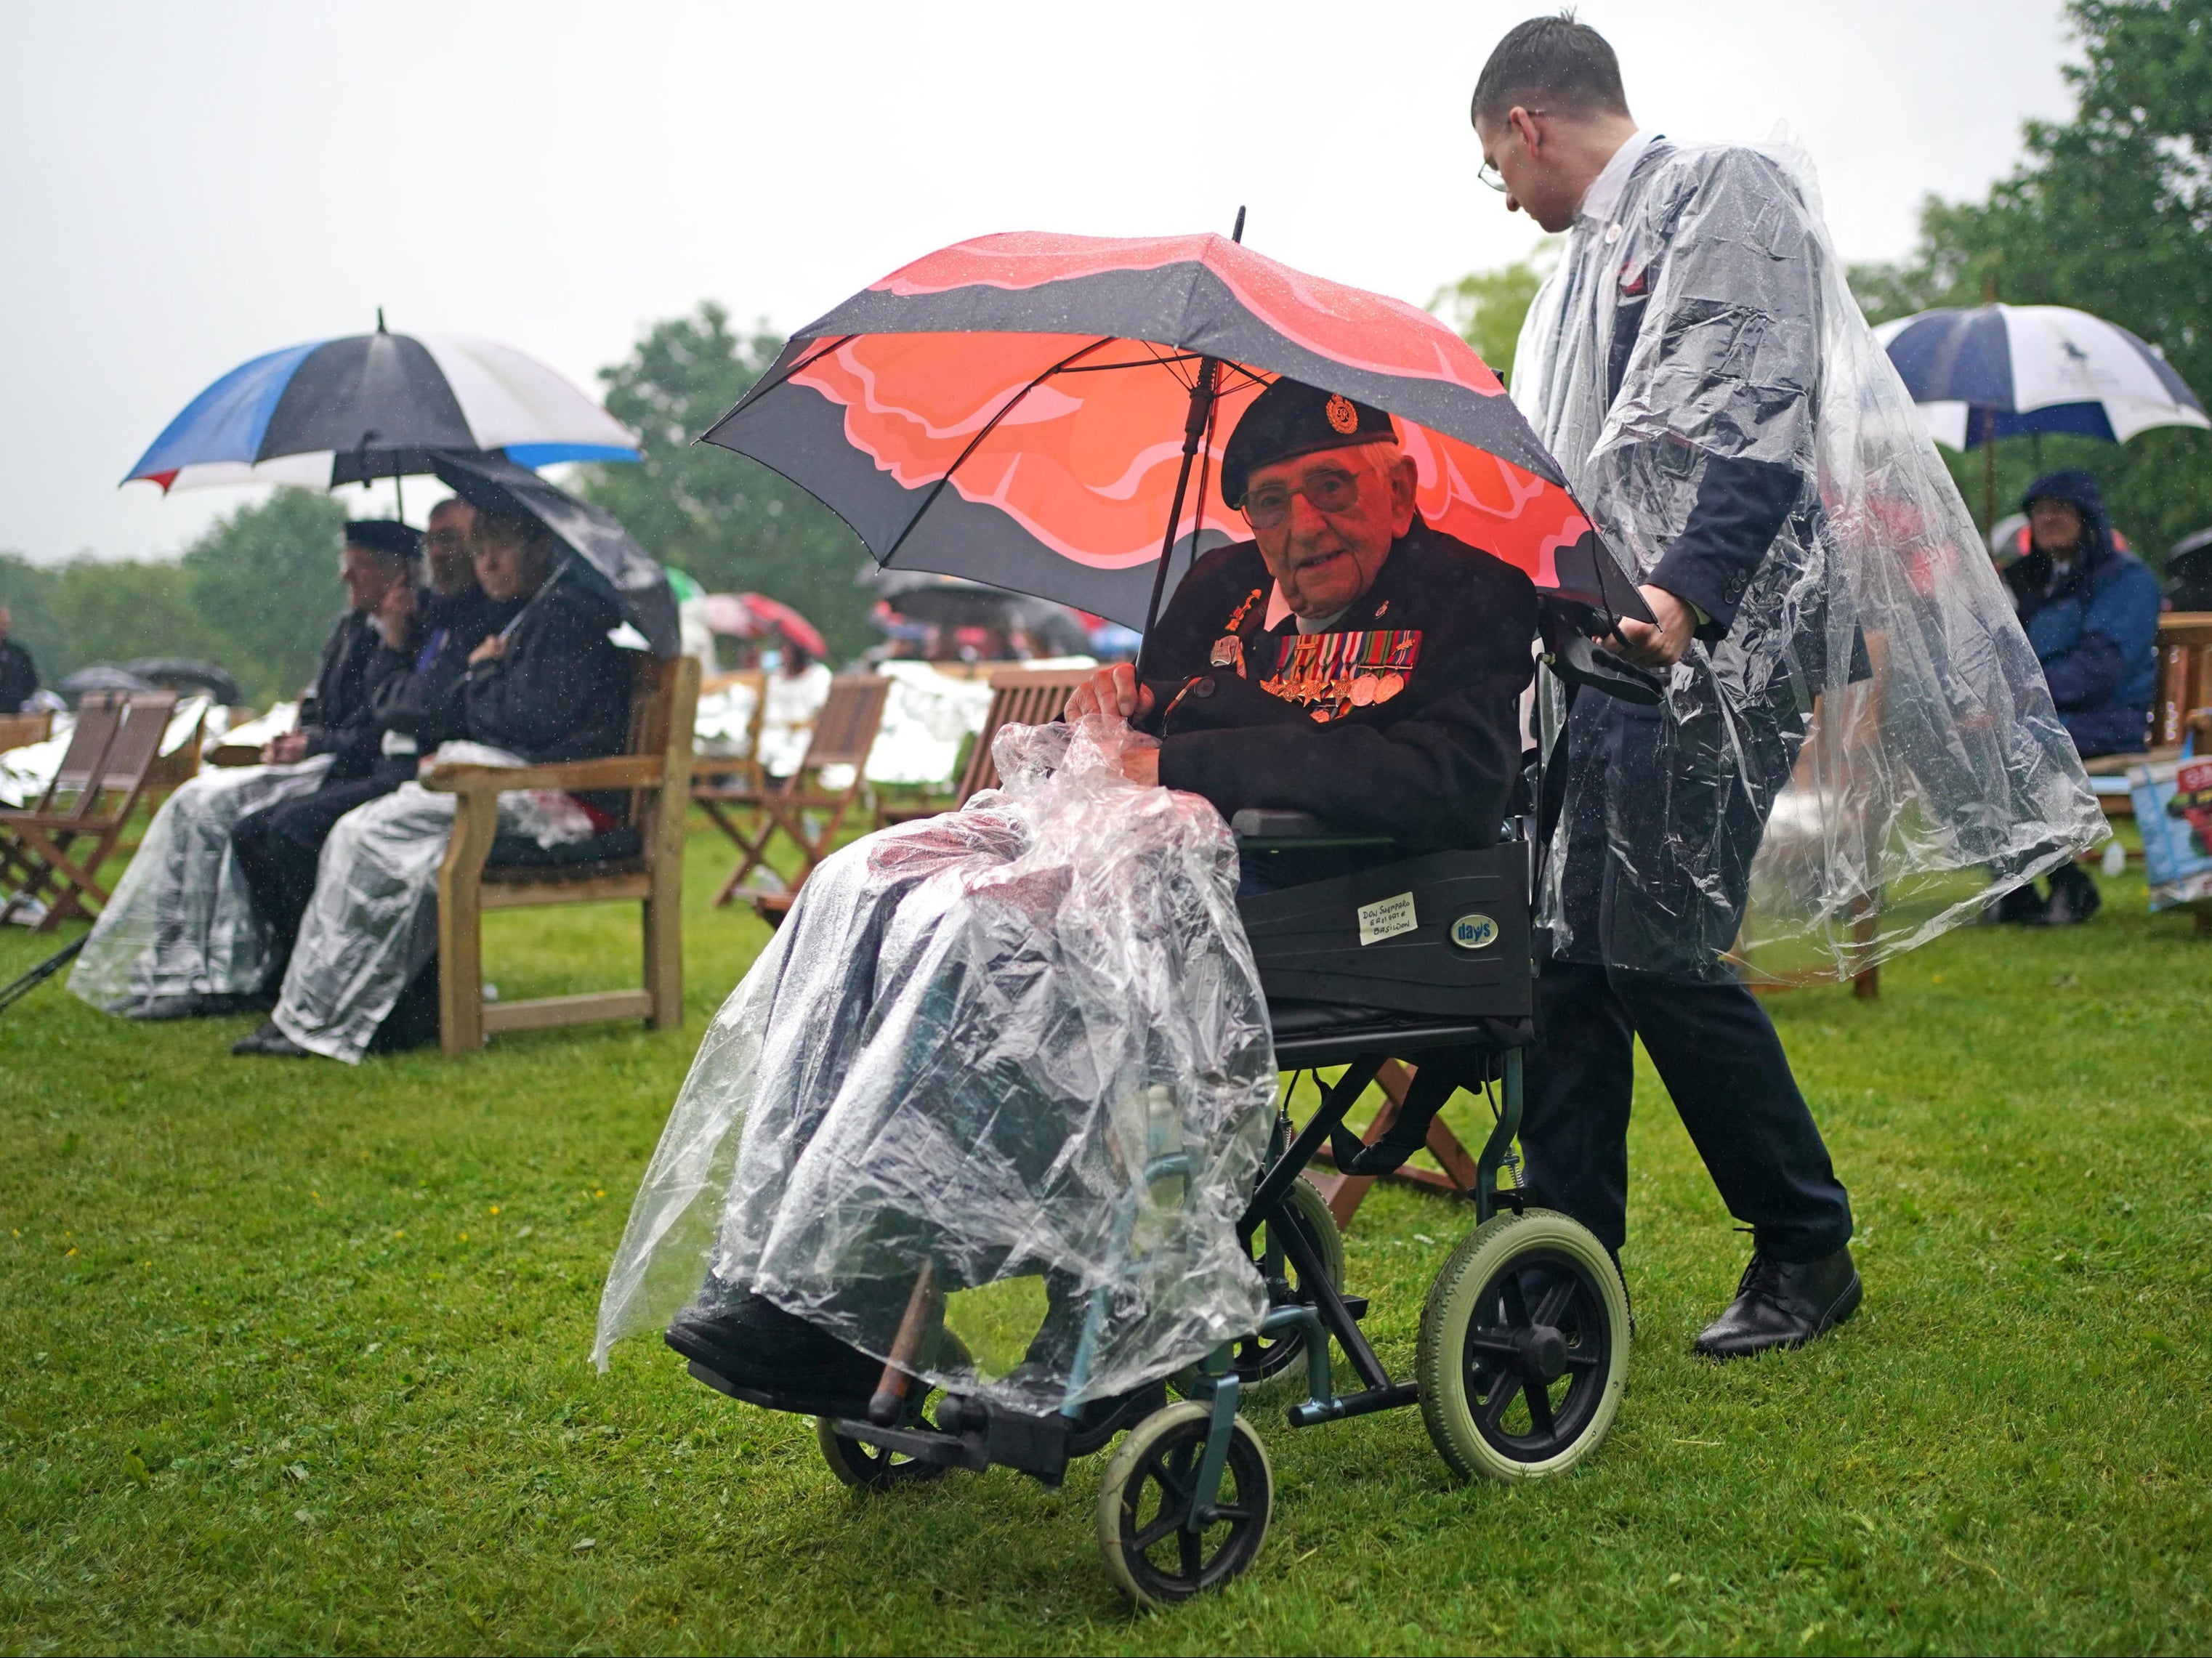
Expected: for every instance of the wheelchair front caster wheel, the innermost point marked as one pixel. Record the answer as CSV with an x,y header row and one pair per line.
x,y
1524,1348
867,1467
1146,1500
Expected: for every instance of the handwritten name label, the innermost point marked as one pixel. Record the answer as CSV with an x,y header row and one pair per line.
x,y
1386,918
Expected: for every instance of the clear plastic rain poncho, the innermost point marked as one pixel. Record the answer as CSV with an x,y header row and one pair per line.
x,y
180,922
1873,739
372,923
1024,1043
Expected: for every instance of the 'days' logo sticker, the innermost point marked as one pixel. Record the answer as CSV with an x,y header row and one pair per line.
x,y
1474,932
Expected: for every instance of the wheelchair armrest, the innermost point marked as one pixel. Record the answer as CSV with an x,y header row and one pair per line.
x,y
1258,828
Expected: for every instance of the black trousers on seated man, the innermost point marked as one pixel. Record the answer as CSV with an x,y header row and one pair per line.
x,y
279,848
1716,1051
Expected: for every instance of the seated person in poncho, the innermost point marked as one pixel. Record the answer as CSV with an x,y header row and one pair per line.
x,y
428,635
979,1039
546,683
181,937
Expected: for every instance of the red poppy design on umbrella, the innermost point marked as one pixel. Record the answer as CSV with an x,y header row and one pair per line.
x,y
1013,410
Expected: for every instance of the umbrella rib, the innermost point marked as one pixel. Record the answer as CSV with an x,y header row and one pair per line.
x,y
989,426
797,370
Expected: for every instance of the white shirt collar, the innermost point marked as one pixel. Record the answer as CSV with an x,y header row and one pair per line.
x,y
1280,607
1604,193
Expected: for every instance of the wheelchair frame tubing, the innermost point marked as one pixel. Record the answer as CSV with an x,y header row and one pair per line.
x,y
1499,1143
1335,1101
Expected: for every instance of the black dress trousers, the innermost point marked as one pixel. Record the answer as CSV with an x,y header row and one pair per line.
x,y
1716,1051
279,847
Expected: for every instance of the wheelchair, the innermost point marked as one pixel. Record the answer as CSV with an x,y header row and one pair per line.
x,y
1522,1356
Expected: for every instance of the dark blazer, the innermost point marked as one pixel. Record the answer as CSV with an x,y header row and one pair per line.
x,y
1430,761
340,716
19,676
562,692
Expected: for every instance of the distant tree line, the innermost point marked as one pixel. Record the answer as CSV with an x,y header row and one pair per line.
x,y
2111,212
255,594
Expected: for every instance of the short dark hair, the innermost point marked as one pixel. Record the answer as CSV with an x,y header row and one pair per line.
x,y
1555,62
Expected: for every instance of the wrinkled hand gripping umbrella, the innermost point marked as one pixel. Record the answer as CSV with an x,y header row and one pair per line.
x,y
1027,410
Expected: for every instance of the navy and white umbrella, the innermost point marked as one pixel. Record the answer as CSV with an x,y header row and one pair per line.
x,y
2001,371
378,405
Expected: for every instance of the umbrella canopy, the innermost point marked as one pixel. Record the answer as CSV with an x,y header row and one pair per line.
x,y
756,616
2000,371
604,551
179,673
1015,409
102,677
375,405
950,602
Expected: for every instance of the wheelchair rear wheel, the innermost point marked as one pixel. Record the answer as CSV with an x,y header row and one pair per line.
x,y
1524,1348
1259,1358
1145,1498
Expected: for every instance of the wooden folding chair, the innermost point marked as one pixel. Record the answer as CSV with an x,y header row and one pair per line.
x,y
20,731
657,770
1019,696
1346,1193
117,740
844,731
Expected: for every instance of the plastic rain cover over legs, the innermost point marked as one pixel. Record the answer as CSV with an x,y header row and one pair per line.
x,y
1825,786
372,923
180,922
1023,1044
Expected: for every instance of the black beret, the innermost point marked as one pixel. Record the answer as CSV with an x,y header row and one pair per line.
x,y
387,535
1291,418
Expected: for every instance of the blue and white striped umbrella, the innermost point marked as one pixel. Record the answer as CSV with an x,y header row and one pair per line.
x,y
2006,370
378,405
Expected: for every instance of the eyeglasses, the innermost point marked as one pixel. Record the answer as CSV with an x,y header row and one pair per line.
x,y
1325,492
1488,171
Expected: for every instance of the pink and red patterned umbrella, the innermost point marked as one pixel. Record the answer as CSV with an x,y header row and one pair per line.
x,y
1014,409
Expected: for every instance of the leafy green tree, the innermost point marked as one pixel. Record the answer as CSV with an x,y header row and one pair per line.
x,y
729,522
93,611
2111,212
263,583
1487,307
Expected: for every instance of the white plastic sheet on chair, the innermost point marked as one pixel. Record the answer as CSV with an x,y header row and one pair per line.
x,y
1024,1043
180,922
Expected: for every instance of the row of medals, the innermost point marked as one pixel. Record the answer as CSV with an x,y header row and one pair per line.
x,y
1357,689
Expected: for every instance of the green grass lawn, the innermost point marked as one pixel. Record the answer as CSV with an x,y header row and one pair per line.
x,y
294,1357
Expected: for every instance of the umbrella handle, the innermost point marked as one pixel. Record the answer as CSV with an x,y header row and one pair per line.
x,y
1194,424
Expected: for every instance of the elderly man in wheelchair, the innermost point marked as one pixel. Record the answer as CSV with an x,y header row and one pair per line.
x,y
1020,1061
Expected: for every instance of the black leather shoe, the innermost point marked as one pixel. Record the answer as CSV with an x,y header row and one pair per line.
x,y
2021,906
191,1006
2073,897
750,1341
1783,1304
269,1042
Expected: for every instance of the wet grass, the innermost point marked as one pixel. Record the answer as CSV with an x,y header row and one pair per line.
x,y
295,1358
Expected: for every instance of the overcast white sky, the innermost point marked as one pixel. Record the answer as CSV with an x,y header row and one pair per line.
x,y
186,186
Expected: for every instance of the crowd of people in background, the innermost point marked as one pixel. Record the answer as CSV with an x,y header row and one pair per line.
x,y
300,884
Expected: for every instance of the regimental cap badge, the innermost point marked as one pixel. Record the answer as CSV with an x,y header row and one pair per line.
x,y
1342,416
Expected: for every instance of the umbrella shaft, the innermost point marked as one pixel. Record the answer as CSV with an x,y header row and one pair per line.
x,y
1193,434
